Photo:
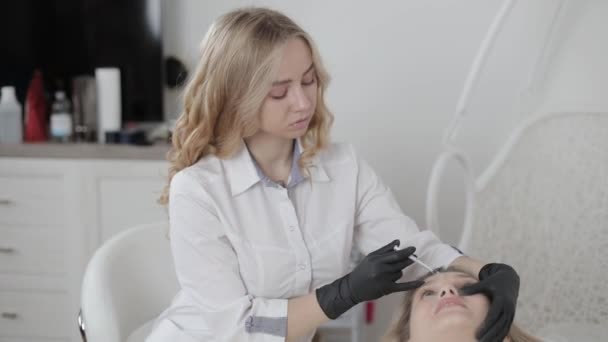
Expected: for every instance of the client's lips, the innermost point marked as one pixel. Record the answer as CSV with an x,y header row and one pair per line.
x,y
445,302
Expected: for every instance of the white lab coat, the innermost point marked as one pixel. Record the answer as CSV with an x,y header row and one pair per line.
x,y
242,249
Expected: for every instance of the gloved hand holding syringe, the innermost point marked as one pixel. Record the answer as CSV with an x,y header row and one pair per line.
x,y
415,259
374,277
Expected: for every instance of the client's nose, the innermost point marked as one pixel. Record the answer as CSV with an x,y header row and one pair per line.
x,y
448,291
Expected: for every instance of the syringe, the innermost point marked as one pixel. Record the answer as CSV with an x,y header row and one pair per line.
x,y
415,259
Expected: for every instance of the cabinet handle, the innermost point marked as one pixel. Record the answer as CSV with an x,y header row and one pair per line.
x,y
6,202
7,250
10,315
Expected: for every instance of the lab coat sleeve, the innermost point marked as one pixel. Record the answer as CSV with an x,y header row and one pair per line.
x,y
208,272
379,220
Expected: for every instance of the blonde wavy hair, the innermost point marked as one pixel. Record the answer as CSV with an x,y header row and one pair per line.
x,y
399,331
239,59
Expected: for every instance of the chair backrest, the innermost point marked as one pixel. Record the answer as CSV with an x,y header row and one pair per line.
x,y
544,209
129,281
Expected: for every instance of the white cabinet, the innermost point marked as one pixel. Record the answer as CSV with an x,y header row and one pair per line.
x,y
34,314
54,213
121,194
33,200
126,195
32,251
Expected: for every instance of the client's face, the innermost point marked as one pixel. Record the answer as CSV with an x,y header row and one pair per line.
x,y
439,312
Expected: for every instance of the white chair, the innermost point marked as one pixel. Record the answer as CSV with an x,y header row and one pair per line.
x,y
128,282
542,206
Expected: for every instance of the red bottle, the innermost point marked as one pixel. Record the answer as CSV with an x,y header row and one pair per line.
x,y
35,111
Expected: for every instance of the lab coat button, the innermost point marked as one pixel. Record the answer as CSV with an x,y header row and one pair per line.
x,y
302,267
292,228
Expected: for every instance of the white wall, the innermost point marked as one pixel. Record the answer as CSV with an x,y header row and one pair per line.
x,y
578,77
398,68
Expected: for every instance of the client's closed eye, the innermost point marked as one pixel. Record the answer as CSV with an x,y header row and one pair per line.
x,y
427,293
466,284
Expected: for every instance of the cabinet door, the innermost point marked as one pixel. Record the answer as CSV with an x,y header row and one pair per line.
x,y
126,195
34,314
31,200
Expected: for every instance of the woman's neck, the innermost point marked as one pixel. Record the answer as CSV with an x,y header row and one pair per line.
x,y
273,155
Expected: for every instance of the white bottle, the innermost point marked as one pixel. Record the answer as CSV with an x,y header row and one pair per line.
x,y
11,121
61,118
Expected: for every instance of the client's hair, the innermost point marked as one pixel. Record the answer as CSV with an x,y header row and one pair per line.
x,y
399,330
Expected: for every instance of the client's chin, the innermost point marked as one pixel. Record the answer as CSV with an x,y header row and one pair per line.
x,y
455,321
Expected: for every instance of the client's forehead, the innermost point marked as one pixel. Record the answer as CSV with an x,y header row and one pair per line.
x,y
448,276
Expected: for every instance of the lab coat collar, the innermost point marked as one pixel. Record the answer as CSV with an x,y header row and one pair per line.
x,y
316,170
241,172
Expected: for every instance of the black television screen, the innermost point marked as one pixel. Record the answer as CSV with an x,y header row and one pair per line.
x,y
67,38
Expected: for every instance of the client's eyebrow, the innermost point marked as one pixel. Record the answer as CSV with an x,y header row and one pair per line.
x,y
458,274
289,80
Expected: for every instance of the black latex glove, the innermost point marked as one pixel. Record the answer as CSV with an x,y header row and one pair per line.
x,y
500,283
373,278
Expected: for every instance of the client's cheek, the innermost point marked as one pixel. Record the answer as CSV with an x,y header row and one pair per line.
x,y
480,306
419,314
483,302
425,308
